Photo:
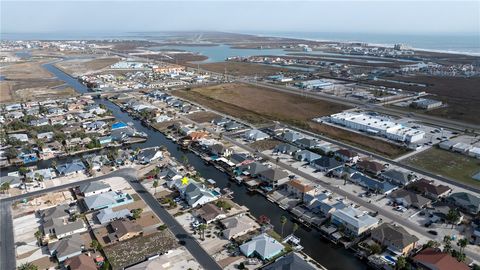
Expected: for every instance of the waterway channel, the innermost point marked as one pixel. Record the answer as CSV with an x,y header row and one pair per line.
x,y
331,256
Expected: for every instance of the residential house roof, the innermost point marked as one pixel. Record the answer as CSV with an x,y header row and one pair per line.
x,y
125,226
106,215
273,174
410,197
209,212
104,199
466,200
370,166
306,155
237,225
81,262
346,153
286,148
12,180
71,167
397,176
263,245
371,183
306,142
291,136
436,260
67,246
327,162
255,134
254,168
355,217
93,186
397,236
291,261
300,186
425,186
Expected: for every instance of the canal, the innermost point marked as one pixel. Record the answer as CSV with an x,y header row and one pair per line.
x,y
326,253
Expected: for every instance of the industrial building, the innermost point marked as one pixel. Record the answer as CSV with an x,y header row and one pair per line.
x,y
315,84
426,104
379,126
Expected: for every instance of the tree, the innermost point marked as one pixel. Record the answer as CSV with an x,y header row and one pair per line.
x,y
432,244
202,227
12,153
155,185
295,228
136,213
27,266
277,160
184,160
95,245
447,243
401,263
453,216
462,243
283,221
241,265
54,163
5,186
38,235
22,171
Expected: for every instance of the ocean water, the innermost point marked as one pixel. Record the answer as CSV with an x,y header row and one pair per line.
x,y
459,43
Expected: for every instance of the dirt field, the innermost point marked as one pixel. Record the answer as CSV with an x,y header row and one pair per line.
x,y
265,144
244,69
460,94
203,117
30,81
82,66
449,164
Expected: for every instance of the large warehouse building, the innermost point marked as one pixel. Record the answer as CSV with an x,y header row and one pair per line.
x,y
377,126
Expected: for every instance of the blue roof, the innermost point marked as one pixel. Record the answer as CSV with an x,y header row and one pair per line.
x,y
118,125
371,183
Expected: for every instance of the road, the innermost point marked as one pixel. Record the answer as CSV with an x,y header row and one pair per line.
x,y
194,247
7,253
7,248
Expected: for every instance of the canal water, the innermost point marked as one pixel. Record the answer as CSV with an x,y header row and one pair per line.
x,y
331,256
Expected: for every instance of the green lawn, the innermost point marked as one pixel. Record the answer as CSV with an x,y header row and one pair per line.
x,y
453,165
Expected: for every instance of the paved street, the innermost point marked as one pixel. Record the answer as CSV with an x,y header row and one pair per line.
x,y
7,250
202,257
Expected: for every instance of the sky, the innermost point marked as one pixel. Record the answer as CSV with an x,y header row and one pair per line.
x,y
375,16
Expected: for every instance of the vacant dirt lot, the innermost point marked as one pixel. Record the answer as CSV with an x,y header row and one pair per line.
x,y
83,66
5,91
203,117
460,94
26,70
244,69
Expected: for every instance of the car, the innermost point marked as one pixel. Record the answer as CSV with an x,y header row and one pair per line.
x,y
432,232
400,208
428,224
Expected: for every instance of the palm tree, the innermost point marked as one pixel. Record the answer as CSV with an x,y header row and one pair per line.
x,y
38,235
277,160
5,186
295,228
27,266
202,227
283,221
185,160
95,245
155,185
401,263
447,243
453,216
462,243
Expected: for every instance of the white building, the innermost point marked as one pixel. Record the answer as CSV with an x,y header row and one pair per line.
x,y
377,126
354,221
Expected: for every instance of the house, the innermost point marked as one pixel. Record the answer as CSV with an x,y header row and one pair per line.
x,y
197,135
67,247
371,167
220,121
286,148
395,238
263,246
346,155
92,188
326,164
237,226
255,135
119,125
210,212
13,181
299,189
195,194
56,222
28,157
81,262
375,185
307,143
397,177
107,200
148,155
240,159
466,201
354,221
70,168
291,261
22,137
40,175
46,136
274,177
291,136
124,229
276,129
169,173
306,156
39,122
107,215
230,126
104,140
219,149
408,198
253,169
96,162
427,188
435,260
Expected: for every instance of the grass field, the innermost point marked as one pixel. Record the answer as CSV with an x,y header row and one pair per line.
x,y
260,105
202,117
78,67
448,164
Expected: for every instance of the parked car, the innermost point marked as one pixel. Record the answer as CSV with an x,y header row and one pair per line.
x,y
432,232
